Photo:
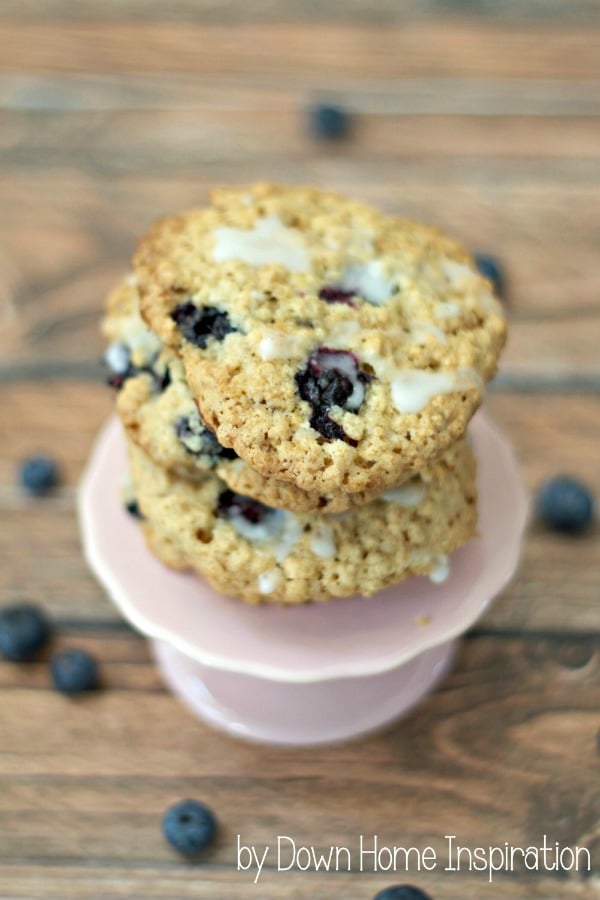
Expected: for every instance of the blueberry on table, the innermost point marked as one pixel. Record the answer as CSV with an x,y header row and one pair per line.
x,y
38,475
189,826
490,268
402,892
24,629
565,504
328,122
74,671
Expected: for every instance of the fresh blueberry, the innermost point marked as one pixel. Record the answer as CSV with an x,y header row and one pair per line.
x,y
402,892
199,323
333,294
189,826
328,122
38,475
24,629
490,268
133,508
253,511
74,671
332,378
200,440
565,504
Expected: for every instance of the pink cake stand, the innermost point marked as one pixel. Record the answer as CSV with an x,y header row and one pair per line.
x,y
314,674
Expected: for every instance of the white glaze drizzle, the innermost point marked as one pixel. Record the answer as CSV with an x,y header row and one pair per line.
x,y
458,274
117,357
409,495
412,389
446,310
277,345
322,542
269,241
268,581
368,280
441,569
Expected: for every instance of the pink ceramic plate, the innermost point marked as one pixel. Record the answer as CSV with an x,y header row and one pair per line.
x,y
341,639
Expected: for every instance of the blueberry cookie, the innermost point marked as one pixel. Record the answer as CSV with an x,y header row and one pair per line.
x,y
132,347
329,345
160,414
248,550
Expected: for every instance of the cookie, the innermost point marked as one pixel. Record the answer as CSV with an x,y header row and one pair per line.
x,y
258,554
329,345
133,347
160,414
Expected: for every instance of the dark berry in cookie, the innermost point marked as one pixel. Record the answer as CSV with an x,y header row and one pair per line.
x,y
330,123
24,629
565,504
231,505
74,671
200,440
490,268
200,323
133,508
189,826
332,378
334,294
160,380
38,475
402,892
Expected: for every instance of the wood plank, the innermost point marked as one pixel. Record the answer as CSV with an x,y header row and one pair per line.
x,y
237,11
259,94
556,588
65,241
153,141
485,758
442,47
180,882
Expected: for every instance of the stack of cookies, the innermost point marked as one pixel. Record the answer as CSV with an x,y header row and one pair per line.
x,y
296,373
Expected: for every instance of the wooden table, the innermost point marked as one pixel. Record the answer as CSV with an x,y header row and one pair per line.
x,y
486,124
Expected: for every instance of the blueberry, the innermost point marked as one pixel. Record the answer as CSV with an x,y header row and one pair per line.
x,y
189,826
328,122
199,323
331,378
160,380
24,629
402,892
74,671
333,294
38,475
253,511
133,508
490,268
200,440
565,504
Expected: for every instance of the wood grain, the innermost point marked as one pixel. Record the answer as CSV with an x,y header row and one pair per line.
x,y
480,117
238,12
503,713
67,240
440,47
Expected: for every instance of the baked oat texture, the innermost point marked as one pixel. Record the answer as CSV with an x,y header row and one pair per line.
x,y
159,413
331,346
259,555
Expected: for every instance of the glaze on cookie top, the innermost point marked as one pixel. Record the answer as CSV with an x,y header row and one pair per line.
x,y
250,290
